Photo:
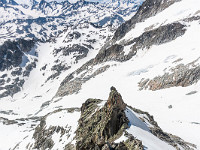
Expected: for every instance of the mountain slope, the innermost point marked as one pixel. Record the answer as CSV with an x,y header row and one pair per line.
x,y
44,20
50,22
111,124
162,51
152,59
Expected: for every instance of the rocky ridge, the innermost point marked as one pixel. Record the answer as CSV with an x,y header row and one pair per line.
x,y
181,75
18,57
161,35
99,126
114,50
148,9
45,20
164,44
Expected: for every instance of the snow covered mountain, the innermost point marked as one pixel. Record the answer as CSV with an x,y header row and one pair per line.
x,y
42,20
31,2
78,28
56,59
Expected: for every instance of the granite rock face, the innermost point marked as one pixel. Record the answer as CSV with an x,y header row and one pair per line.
x,y
161,35
100,127
148,9
112,53
100,124
158,36
13,58
11,53
43,134
182,75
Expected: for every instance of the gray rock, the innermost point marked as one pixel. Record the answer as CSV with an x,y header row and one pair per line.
x,y
104,126
148,9
12,52
58,70
71,85
112,53
158,36
29,68
183,75
74,35
2,81
81,50
43,135
170,106
191,93
17,72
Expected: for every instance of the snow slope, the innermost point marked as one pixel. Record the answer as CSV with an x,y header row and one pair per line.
x,y
46,19
182,119
140,130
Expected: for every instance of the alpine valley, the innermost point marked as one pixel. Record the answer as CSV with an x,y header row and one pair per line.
x,y
99,75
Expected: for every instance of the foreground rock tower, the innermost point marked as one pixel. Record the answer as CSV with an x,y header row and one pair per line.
x,y
99,130
104,125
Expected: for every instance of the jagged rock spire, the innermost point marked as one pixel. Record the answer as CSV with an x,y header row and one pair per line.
x,y
104,126
115,99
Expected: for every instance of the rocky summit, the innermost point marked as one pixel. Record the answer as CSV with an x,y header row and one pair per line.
x,y
105,125
99,127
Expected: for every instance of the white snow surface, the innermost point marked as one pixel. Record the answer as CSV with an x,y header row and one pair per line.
x,y
46,20
63,118
184,118
141,132
149,141
135,121
100,1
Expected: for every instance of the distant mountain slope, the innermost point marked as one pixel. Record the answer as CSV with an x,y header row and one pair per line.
x,y
80,27
30,2
43,20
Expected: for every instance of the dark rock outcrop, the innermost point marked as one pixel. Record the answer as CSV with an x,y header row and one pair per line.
x,y
11,53
148,9
80,50
58,70
43,134
74,35
182,75
12,58
157,36
109,54
29,68
100,127
73,85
